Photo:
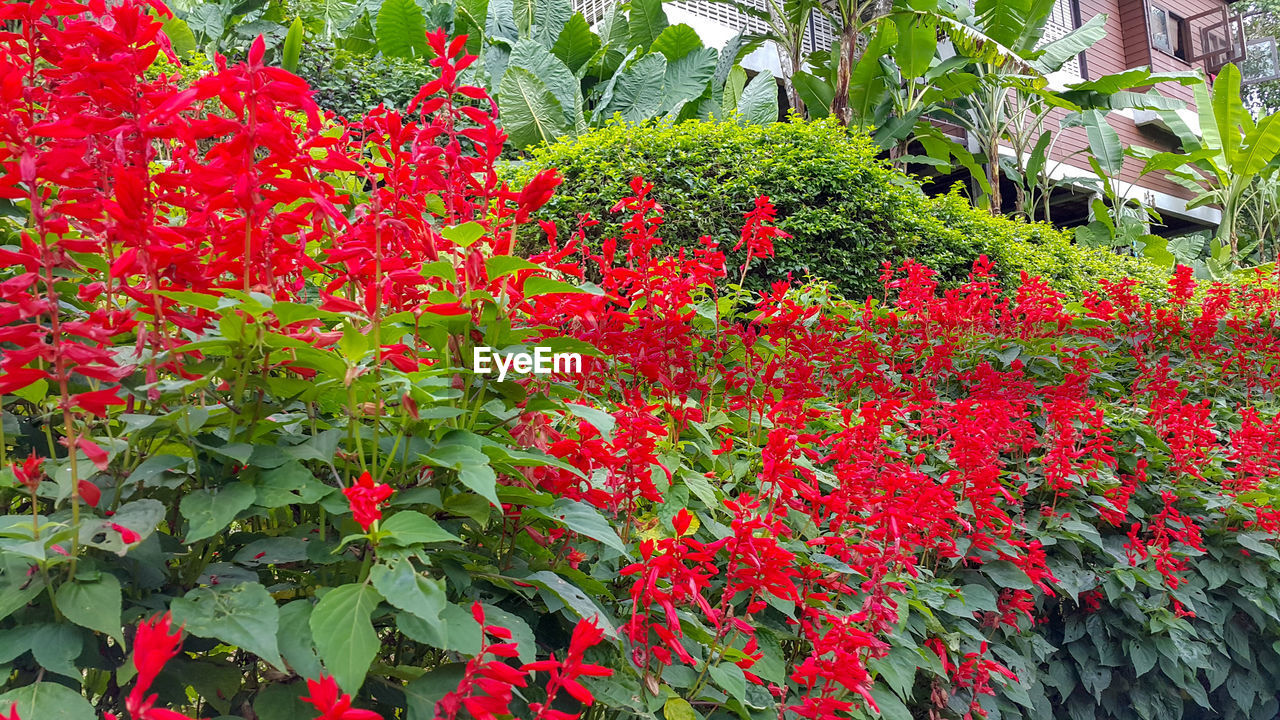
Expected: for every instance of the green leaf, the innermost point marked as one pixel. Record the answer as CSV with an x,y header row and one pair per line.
x,y
573,597
917,43
140,516
472,466
343,630
410,527
407,589
1260,146
500,265
1104,142
539,285
637,93
209,512
676,41
56,647
530,113
601,420
181,39
1056,53
759,102
294,639
677,708
463,235
576,43
686,78
891,706
95,605
289,484
1005,574
559,80
585,520
292,46
245,616
401,30
731,679
645,23
815,92
46,701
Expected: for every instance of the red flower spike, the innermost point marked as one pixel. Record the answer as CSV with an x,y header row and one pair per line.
x,y
332,703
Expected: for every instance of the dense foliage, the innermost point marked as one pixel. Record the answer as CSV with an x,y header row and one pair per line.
x,y
846,211
252,472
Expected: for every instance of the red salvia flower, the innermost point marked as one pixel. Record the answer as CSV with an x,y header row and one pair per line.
x,y
332,703
366,497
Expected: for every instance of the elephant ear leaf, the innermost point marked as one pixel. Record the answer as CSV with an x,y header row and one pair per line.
x,y
646,23
759,102
401,30
576,43
687,78
637,93
530,113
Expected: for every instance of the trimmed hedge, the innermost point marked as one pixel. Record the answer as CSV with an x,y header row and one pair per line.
x,y
847,210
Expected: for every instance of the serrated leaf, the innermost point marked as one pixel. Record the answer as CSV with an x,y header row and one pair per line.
x,y
209,512
245,616
405,588
585,520
95,604
343,630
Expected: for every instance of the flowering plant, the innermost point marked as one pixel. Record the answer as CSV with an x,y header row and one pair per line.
x,y
236,392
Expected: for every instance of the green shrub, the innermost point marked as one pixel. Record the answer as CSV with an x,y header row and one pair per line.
x,y
846,210
351,83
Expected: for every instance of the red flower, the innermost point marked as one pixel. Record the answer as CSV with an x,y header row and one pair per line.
x,y
89,493
13,713
332,703
366,497
129,536
536,193
155,644
29,472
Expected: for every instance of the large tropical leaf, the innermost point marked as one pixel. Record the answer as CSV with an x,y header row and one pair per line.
x,y
1053,55
500,20
917,44
530,55
469,19
1016,24
759,102
646,23
687,78
401,30
522,12
1104,142
676,41
816,93
1232,118
733,87
576,43
869,82
1210,130
637,94
549,19
973,43
1260,147
530,112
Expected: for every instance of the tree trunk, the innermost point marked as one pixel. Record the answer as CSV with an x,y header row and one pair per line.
x,y
993,174
844,71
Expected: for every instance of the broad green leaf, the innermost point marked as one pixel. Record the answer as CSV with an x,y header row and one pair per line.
x,y
686,78
637,93
676,41
289,484
550,18
759,102
463,235
245,616
917,43
731,679
539,285
645,23
343,630
677,708
1005,574
180,37
1260,146
294,639
410,527
95,604
472,466
868,83
16,591
140,516
209,512
1229,111
282,702
815,92
576,43
891,706
584,519
603,421
55,647
500,265
573,597
408,590
292,46
47,701
469,19
1104,142
734,83
1055,54
532,56
401,29
530,113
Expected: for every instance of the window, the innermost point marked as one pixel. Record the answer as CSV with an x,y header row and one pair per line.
x,y
1168,32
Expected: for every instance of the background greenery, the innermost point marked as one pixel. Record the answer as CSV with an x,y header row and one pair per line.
x,y
846,210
